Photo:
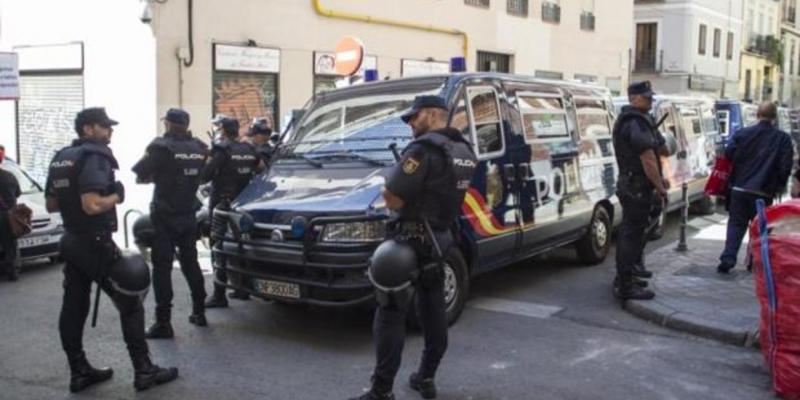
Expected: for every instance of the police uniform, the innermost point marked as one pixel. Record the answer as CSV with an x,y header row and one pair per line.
x,y
174,162
87,166
230,168
431,178
634,133
260,127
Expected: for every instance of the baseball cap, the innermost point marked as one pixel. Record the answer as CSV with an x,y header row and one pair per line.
x,y
177,116
93,115
421,102
644,88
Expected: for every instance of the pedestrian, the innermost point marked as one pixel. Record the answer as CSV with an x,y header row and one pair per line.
x,y
761,155
9,193
260,135
427,190
173,163
81,186
638,146
229,169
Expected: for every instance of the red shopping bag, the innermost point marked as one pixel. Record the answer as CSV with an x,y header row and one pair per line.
x,y
717,184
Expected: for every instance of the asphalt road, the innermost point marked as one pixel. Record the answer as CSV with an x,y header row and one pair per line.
x,y
546,328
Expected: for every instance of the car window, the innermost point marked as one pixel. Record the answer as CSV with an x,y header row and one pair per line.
x,y
668,127
459,119
543,117
709,120
26,184
485,116
593,118
690,120
723,116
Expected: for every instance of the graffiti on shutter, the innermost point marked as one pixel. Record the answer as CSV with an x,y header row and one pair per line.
x,y
245,96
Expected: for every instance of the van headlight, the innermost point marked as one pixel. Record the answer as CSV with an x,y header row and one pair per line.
x,y
355,232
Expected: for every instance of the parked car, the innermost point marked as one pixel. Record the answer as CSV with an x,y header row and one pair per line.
x,y
693,136
43,240
303,231
734,115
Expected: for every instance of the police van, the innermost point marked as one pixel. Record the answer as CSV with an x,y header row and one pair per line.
x,y
734,115
303,231
692,132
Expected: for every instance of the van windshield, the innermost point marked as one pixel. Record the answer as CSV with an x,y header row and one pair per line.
x,y
26,184
362,124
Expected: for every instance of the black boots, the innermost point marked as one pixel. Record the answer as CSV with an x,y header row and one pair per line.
x,y
83,375
425,387
725,267
626,288
149,374
217,300
640,272
162,328
198,316
374,394
239,295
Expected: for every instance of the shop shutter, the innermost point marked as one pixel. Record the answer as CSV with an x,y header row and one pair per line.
x,y
46,118
245,96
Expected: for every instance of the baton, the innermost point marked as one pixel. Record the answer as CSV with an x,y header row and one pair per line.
x,y
96,305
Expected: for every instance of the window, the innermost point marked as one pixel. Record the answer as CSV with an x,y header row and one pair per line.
x,y
717,41
729,47
551,11
517,7
587,21
791,60
690,120
493,62
586,78
548,74
592,117
459,119
748,78
646,39
723,116
486,123
543,117
479,3
701,46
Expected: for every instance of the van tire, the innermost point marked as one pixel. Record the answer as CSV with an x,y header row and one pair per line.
x,y
704,206
593,247
456,284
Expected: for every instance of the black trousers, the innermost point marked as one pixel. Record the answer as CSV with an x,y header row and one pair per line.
x,y
741,210
389,330
632,237
8,243
88,258
218,261
171,232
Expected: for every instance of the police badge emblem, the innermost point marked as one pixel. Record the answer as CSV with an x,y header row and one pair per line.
x,y
410,165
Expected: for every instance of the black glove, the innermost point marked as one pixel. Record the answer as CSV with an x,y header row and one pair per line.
x,y
119,189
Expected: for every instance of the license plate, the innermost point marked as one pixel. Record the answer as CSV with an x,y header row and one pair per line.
x,y
277,289
35,241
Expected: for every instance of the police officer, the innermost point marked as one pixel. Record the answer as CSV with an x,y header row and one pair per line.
x,y
229,169
638,146
173,162
81,185
260,135
427,189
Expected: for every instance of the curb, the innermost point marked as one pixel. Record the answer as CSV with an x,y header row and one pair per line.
x,y
667,317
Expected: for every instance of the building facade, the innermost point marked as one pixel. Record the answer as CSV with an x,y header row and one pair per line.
x,y
295,39
761,51
789,91
688,46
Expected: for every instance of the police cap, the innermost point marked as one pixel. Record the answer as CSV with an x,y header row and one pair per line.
x,y
177,116
643,88
93,115
421,102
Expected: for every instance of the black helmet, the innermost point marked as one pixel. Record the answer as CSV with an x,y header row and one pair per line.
x,y
392,266
130,275
143,231
259,126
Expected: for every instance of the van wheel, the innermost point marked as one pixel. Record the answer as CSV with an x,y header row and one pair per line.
x,y
593,247
456,290
704,206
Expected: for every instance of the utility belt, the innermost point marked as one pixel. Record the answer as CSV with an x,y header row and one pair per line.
x,y
430,244
634,185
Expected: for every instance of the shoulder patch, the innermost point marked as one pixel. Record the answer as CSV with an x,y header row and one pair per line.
x,y
410,166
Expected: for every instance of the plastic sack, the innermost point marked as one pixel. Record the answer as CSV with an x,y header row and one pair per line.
x,y
717,184
775,248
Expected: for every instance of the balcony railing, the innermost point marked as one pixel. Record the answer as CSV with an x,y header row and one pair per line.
x,y
587,21
646,61
551,12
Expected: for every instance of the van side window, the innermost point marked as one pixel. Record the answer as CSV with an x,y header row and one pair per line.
x,y
459,119
690,119
593,118
723,116
487,126
543,117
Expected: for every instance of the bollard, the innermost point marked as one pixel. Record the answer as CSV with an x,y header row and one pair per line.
x,y
684,217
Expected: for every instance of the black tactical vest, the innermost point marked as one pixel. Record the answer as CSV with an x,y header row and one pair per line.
x,y
176,185
235,173
631,171
63,176
444,190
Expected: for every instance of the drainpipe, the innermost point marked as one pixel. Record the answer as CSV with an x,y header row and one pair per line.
x,y
320,10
